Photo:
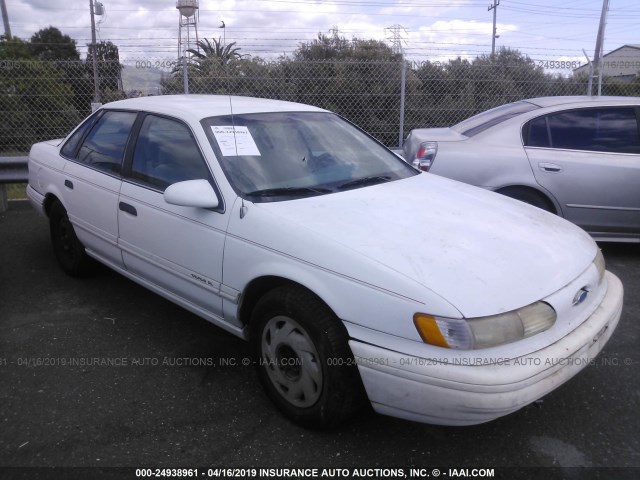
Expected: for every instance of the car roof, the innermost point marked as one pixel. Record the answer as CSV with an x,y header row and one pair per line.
x,y
197,107
583,99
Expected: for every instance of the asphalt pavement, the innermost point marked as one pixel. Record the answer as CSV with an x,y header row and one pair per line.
x,y
100,372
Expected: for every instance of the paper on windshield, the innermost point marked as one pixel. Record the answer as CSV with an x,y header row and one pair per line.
x,y
235,141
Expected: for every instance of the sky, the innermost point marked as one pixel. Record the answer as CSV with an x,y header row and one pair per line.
x,y
435,30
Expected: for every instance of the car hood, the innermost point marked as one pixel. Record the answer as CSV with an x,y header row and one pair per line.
x,y
482,252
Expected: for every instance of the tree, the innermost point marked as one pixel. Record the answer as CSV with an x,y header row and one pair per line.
x,y
428,98
109,67
324,47
213,68
36,103
214,53
359,79
58,50
507,76
13,48
50,44
36,89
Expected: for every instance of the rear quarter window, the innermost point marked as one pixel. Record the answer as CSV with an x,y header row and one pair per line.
x,y
482,121
71,146
103,148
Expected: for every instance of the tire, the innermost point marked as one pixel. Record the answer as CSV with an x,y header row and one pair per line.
x,y
303,359
69,251
529,196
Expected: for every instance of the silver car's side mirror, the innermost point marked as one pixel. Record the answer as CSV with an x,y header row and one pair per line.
x,y
191,193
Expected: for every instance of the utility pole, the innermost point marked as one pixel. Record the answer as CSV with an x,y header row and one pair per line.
x,y
96,83
494,35
5,19
396,48
597,56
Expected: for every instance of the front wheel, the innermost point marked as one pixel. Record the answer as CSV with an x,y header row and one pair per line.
x,y
303,358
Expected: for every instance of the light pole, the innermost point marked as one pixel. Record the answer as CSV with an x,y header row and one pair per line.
x,y
224,33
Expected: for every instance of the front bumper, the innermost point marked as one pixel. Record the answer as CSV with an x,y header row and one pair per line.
x,y
440,392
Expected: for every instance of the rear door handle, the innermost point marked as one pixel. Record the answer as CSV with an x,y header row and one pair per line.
x,y
125,207
550,167
68,184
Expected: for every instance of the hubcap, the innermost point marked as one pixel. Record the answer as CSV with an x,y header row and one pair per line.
x,y
291,361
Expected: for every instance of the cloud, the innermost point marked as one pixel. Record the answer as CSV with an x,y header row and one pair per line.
x,y
445,39
149,28
437,30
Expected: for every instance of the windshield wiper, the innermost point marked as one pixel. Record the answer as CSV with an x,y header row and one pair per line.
x,y
365,181
273,192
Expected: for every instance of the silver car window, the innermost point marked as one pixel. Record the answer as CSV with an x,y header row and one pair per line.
x,y
479,123
603,129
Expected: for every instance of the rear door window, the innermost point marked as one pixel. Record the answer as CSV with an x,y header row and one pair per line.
x,y
608,129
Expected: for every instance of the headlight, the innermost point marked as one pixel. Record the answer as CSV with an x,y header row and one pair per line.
x,y
485,332
425,155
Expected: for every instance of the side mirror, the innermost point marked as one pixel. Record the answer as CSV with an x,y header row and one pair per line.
x,y
191,193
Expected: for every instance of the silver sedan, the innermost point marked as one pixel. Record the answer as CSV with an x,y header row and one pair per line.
x,y
578,157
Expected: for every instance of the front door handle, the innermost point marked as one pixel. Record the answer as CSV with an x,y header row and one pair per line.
x,y
125,207
550,167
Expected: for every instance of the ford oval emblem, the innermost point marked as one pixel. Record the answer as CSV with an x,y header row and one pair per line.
x,y
580,296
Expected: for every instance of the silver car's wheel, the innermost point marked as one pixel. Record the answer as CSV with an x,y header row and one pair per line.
x,y
530,196
291,361
303,358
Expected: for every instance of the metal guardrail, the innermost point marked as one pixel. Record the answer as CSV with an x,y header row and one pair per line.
x,y
12,170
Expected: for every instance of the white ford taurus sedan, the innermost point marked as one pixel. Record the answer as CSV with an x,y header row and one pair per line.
x,y
288,226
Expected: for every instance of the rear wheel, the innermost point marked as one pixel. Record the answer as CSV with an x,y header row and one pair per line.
x,y
530,196
303,358
69,251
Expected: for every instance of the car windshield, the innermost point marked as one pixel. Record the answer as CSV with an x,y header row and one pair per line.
x,y
283,155
480,122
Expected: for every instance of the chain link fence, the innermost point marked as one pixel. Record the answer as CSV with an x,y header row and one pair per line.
x,y
43,100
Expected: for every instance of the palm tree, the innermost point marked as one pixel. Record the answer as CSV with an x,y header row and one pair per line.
x,y
211,66
216,51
